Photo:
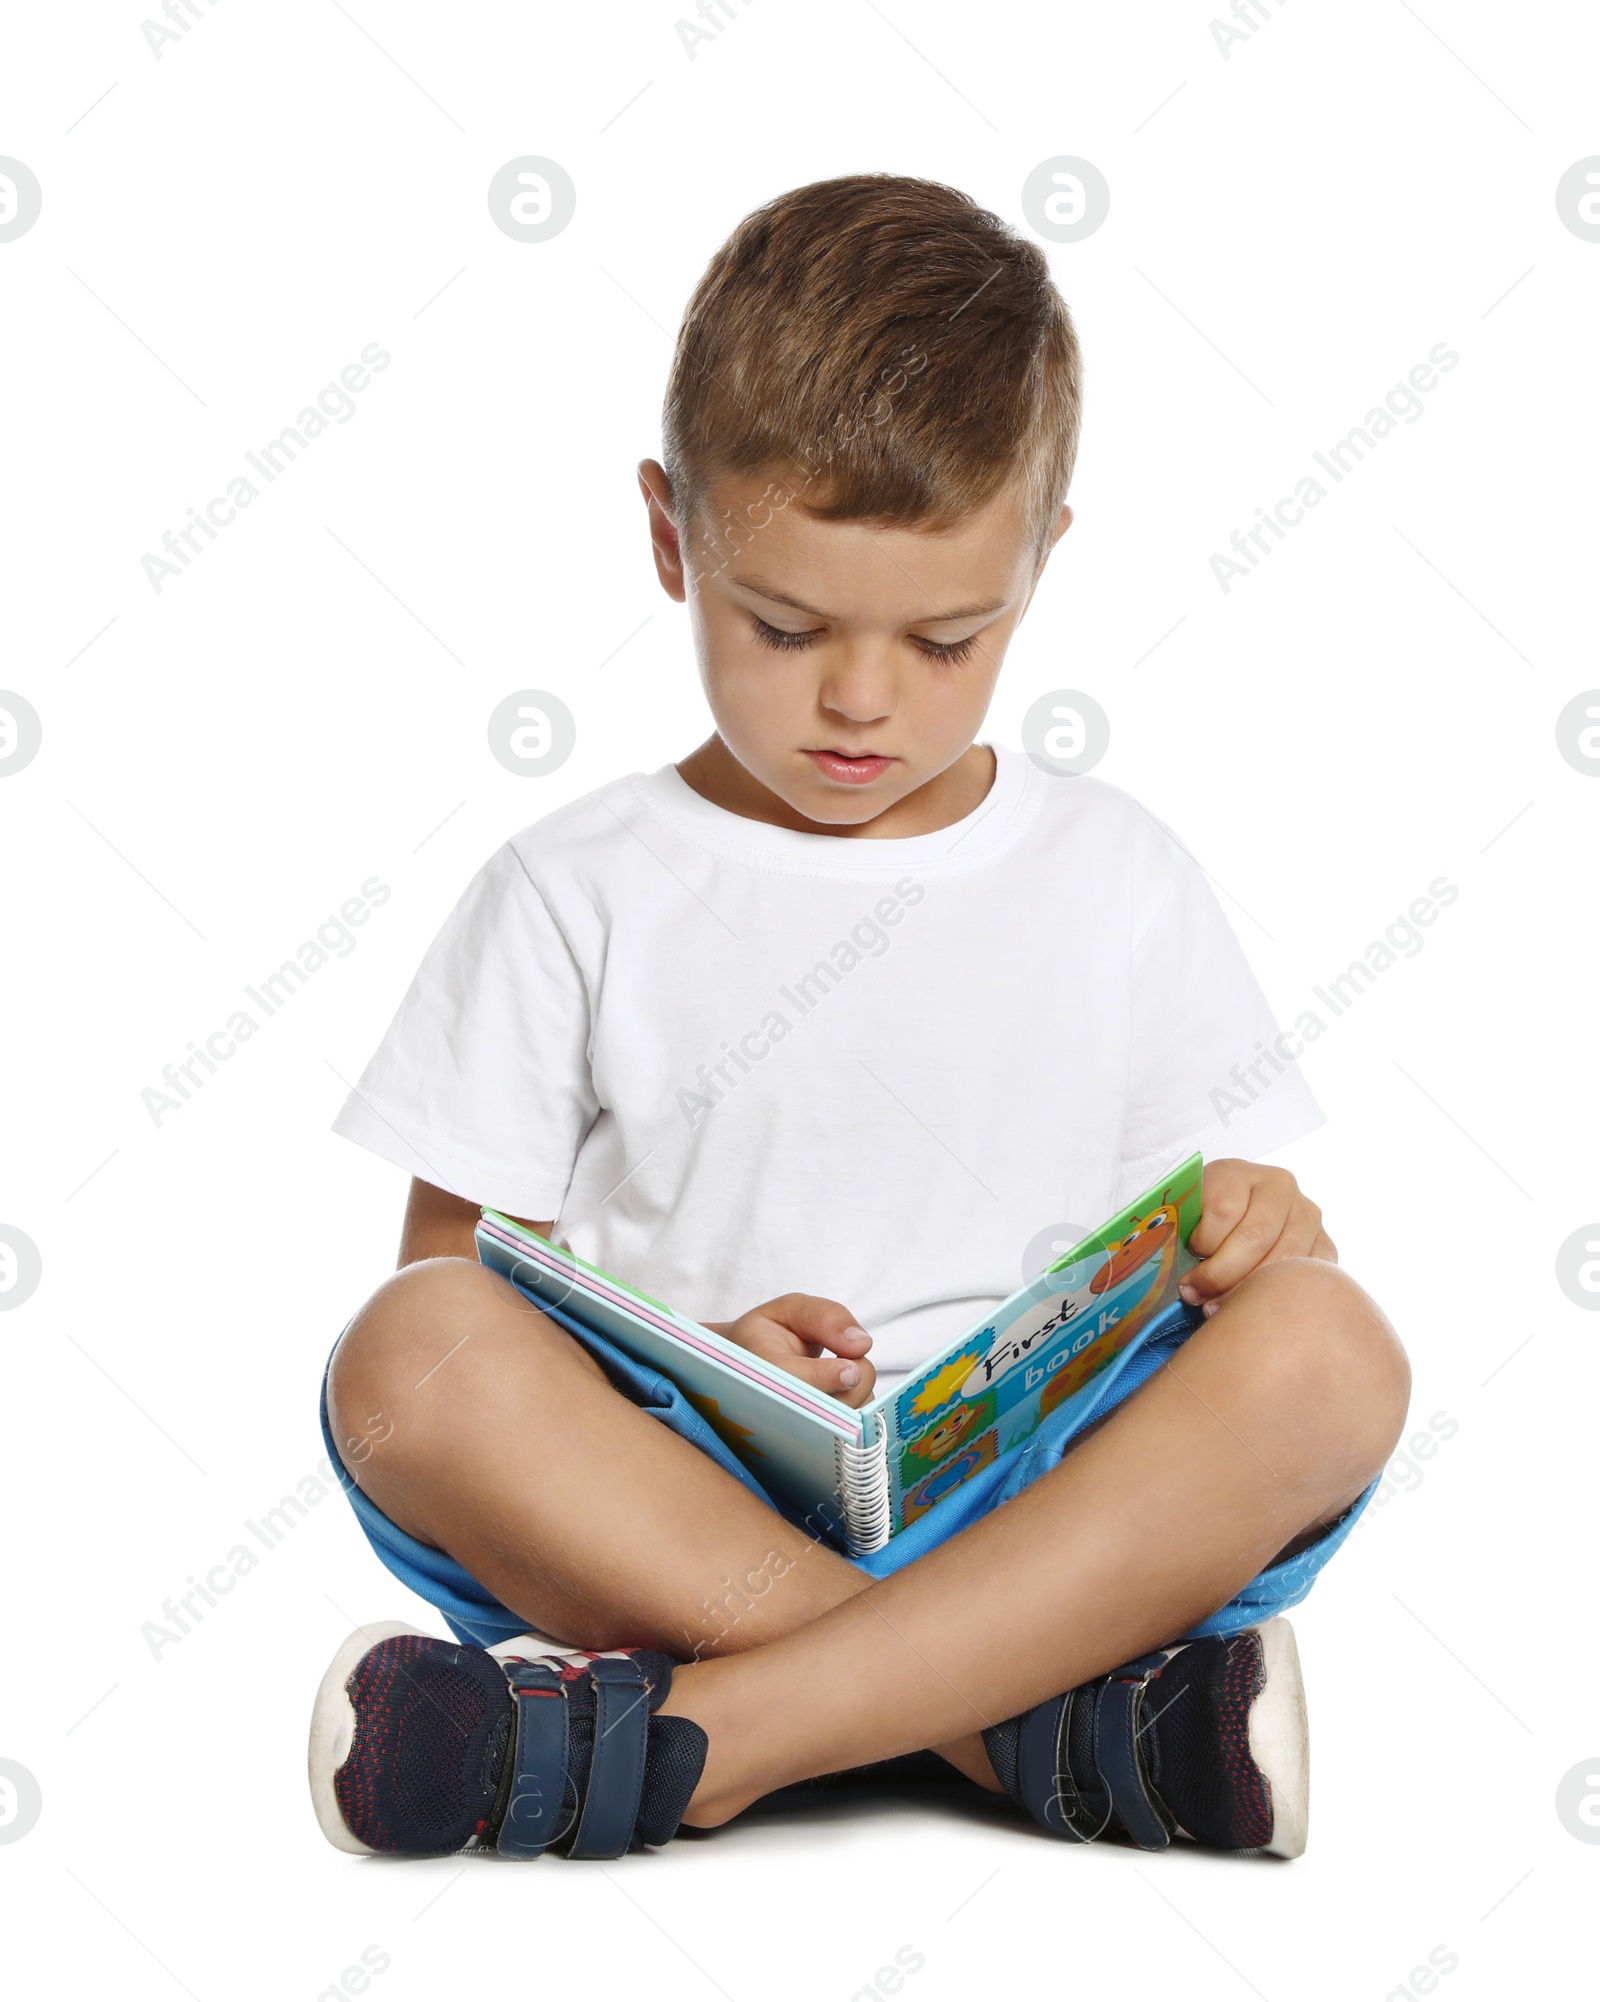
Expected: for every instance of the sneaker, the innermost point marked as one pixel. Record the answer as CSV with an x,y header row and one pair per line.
x,y
1206,1739
423,1747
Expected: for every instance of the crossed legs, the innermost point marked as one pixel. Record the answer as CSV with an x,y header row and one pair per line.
x,y
501,1440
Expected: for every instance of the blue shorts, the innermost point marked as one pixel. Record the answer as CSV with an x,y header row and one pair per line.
x,y
476,1616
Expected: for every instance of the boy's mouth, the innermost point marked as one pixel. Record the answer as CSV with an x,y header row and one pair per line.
x,y
853,768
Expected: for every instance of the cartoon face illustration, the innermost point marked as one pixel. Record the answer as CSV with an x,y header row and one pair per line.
x,y
957,1430
946,1433
1149,1235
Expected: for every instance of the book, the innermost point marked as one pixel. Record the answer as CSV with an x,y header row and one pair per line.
x,y
863,1474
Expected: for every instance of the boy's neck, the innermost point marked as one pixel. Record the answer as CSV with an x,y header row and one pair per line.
x,y
716,775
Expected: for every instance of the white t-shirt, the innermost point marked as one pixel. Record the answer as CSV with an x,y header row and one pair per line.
x,y
732,1060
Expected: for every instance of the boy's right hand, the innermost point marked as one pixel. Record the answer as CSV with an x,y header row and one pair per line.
x,y
795,1330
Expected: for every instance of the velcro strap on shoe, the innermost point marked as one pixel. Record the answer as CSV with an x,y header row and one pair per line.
x,y
1118,1720
1045,1779
1042,1731
616,1771
539,1760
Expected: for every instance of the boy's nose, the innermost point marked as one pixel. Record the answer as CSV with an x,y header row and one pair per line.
x,y
860,686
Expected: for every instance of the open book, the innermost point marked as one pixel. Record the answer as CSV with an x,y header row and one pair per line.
x,y
863,1475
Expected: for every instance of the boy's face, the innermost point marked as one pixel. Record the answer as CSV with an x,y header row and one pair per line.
x,y
847,666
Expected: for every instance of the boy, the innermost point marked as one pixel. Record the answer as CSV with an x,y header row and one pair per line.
x,y
844,1002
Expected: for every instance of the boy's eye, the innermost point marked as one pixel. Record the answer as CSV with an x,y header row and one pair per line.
x,y
786,642
954,651
775,636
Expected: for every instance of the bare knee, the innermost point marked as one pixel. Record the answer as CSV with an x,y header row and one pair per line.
x,y
1322,1361
433,1340
392,1340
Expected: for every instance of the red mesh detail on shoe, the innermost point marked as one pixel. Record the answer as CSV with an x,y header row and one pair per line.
x,y
433,1733
432,1726
1197,1742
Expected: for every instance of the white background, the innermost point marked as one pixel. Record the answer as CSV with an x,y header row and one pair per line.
x,y
1292,227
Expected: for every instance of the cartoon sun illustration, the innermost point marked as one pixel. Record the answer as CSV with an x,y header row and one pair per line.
x,y
945,1383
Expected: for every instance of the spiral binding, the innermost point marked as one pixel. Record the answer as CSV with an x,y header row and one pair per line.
x,y
861,1476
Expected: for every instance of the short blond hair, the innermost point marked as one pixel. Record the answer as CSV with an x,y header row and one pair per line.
x,y
892,352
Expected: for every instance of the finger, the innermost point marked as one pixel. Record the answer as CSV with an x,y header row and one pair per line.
x,y
773,1342
1291,1245
866,1389
1225,1197
825,1323
1302,1228
759,1335
1244,1247
849,1381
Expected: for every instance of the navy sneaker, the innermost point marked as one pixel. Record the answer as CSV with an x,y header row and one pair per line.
x,y
1206,1739
423,1747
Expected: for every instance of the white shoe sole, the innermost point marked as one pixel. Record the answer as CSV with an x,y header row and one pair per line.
x,y
333,1726
333,1717
1280,1740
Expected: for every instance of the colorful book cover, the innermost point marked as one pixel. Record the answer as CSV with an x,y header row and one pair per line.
x,y
1040,1348
865,1474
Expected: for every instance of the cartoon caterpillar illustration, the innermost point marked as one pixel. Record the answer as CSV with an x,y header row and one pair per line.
x,y
1146,1236
1150,1236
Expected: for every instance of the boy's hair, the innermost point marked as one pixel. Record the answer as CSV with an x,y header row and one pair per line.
x,y
888,350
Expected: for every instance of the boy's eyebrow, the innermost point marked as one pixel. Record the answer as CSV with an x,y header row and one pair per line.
x,y
778,597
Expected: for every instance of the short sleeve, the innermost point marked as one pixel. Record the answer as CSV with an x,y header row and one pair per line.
x,y
482,1084
1210,1070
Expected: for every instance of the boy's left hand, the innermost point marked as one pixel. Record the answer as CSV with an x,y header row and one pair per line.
x,y
794,1330
1250,1215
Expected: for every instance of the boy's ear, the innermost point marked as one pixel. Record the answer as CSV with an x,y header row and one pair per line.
x,y
664,541
1063,523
